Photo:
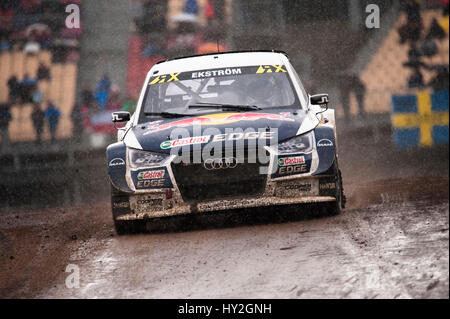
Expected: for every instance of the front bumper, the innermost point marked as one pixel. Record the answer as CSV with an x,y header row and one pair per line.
x,y
288,192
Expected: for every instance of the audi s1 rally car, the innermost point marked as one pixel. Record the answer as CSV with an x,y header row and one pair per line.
x,y
223,131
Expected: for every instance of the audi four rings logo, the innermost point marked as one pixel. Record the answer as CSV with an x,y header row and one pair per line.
x,y
220,163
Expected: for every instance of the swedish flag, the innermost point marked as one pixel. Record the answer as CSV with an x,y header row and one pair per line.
x,y
420,120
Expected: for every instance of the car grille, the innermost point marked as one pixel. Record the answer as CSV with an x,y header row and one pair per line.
x,y
197,183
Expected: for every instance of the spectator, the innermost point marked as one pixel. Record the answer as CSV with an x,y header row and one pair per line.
x,y
411,31
32,46
37,96
52,114
87,97
440,81
435,31
414,53
14,89
412,10
348,84
114,102
37,117
415,64
43,72
213,36
429,48
135,9
129,105
185,40
77,121
444,7
27,87
210,12
156,45
153,17
191,7
415,80
102,91
4,43
45,40
5,118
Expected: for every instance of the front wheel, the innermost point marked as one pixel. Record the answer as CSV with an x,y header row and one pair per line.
x,y
337,206
124,227
120,205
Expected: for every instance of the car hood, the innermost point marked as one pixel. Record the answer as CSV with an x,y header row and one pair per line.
x,y
274,125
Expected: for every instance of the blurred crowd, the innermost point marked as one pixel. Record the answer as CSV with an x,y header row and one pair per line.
x,y
187,36
423,44
27,91
105,96
32,26
35,25
93,111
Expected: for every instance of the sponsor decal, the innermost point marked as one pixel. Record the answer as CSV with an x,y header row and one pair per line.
x,y
116,162
214,73
217,138
173,77
324,143
209,73
150,183
295,169
243,136
124,204
287,161
150,201
327,186
185,141
271,69
147,179
299,187
217,205
150,175
216,119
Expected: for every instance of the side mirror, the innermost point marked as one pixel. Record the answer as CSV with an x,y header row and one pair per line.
x,y
319,99
120,116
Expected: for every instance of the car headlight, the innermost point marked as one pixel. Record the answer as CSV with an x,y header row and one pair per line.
x,y
145,159
298,144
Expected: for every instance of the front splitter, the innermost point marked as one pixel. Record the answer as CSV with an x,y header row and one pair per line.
x,y
223,205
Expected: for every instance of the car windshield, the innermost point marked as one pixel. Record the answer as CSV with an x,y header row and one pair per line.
x,y
193,92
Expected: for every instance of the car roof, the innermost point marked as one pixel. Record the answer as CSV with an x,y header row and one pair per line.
x,y
219,60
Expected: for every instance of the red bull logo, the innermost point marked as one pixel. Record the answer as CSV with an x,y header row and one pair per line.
x,y
217,119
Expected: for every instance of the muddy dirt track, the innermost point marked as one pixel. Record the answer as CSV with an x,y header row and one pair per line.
x,y
392,241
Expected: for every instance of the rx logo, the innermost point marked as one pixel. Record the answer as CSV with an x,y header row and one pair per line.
x,y
271,69
163,78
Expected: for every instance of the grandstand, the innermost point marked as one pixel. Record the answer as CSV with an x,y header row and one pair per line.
x,y
60,89
16,61
385,74
138,66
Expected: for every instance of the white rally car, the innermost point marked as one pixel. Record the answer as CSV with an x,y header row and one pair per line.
x,y
223,131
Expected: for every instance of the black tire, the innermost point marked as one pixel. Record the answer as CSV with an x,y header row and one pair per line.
x,y
337,206
123,227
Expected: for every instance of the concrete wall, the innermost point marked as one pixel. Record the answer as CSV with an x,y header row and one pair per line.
x,y
104,44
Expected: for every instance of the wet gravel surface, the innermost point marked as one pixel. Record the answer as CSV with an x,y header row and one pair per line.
x,y
392,241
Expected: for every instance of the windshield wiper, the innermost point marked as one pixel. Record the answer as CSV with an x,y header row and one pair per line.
x,y
165,114
225,106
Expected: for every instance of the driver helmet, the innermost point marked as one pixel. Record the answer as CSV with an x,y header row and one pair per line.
x,y
262,89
